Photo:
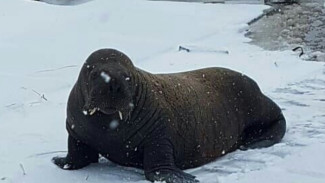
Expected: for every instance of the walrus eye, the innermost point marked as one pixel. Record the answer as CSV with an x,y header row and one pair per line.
x,y
93,75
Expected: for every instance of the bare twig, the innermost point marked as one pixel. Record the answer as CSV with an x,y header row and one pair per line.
x,y
22,168
10,105
60,68
33,103
41,95
276,65
181,48
47,153
87,177
36,92
301,49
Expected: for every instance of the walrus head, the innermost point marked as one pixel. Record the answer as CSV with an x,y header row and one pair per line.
x,y
108,80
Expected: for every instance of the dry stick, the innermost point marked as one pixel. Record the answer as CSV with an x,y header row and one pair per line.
x,y
181,48
33,103
87,177
10,105
47,153
198,49
22,168
41,95
51,70
301,49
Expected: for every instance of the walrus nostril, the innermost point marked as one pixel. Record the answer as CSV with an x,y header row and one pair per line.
x,y
114,87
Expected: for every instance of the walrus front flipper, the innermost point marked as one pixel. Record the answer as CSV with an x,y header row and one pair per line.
x,y
159,164
264,136
79,155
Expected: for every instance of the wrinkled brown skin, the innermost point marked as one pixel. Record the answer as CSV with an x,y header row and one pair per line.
x,y
178,121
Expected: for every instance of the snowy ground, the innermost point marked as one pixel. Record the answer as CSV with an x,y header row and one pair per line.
x,y
42,48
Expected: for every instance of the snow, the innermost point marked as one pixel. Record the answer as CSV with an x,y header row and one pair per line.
x,y
113,125
43,46
105,76
85,112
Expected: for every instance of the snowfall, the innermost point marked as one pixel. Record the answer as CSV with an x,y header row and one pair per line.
x,y
43,46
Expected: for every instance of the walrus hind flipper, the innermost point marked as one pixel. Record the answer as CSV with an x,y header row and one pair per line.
x,y
79,155
260,137
171,176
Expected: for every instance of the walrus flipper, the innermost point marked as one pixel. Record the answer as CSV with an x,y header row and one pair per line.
x,y
79,155
171,176
159,164
265,136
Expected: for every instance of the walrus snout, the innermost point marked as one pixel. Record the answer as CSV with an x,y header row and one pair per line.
x,y
91,110
114,85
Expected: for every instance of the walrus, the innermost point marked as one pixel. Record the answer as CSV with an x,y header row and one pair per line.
x,y
164,123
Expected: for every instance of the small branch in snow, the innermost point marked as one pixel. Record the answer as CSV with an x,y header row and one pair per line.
x,y
181,48
60,68
276,65
47,153
265,13
87,177
41,95
3,178
10,105
22,168
34,103
14,106
299,47
201,49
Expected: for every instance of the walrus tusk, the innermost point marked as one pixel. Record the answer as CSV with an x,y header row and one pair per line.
x,y
91,112
120,114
